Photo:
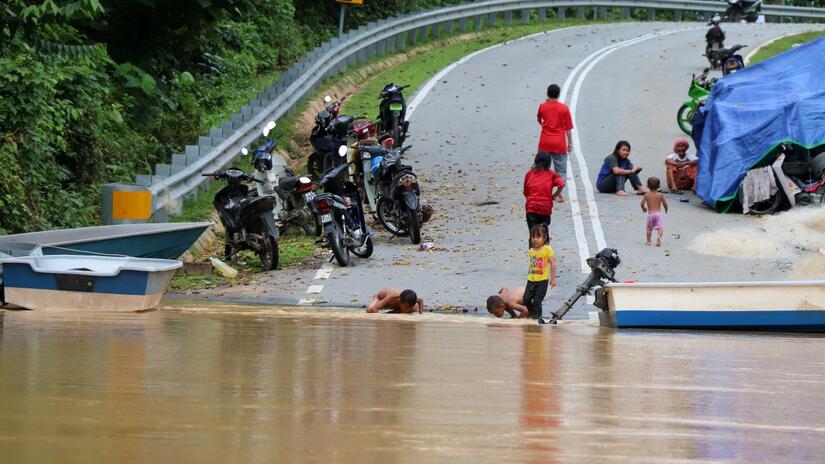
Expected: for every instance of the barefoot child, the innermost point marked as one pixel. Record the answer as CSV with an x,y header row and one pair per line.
x,y
652,203
508,300
542,269
404,302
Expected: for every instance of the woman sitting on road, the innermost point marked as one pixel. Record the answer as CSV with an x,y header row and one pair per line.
x,y
681,167
617,170
541,185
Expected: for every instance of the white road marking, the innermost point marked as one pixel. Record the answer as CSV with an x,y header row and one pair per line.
x,y
324,272
576,214
315,289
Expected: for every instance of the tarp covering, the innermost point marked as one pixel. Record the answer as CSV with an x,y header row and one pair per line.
x,y
750,112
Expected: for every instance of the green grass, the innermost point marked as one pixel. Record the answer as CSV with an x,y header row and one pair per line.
x,y
292,249
784,44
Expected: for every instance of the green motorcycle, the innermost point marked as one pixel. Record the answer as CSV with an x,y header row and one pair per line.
x,y
698,92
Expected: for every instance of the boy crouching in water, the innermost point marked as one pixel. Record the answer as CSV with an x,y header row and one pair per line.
x,y
400,302
652,203
510,300
542,270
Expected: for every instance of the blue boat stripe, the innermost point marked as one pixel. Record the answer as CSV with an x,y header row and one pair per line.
x,y
17,275
711,319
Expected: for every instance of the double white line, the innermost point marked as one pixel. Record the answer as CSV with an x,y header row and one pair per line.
x,y
578,75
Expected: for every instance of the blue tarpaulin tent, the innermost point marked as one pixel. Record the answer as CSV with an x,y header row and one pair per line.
x,y
750,112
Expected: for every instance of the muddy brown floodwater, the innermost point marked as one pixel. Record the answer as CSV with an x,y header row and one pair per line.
x,y
248,384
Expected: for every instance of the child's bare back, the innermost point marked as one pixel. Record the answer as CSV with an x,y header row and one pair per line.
x,y
654,202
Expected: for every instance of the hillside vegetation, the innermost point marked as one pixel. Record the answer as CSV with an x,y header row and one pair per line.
x,y
95,91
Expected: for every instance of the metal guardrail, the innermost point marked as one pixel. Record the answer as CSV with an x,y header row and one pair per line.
x,y
172,182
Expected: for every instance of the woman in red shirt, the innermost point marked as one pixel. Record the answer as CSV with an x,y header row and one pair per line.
x,y
540,186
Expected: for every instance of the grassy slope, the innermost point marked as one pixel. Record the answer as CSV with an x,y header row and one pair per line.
x,y
784,44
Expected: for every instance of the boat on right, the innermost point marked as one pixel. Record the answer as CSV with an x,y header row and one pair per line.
x,y
793,306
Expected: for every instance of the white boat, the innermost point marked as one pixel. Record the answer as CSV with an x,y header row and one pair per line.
x,y
76,282
753,306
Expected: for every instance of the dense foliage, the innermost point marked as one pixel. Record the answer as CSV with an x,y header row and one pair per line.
x,y
94,91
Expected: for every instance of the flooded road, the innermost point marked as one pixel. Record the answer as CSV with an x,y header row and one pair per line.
x,y
247,384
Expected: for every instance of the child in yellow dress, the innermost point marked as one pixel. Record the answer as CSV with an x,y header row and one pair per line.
x,y
542,270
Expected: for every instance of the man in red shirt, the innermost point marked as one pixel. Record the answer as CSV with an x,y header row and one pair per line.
x,y
556,136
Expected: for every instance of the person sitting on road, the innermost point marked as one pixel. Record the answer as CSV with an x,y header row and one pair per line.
x,y
617,170
508,300
398,301
681,168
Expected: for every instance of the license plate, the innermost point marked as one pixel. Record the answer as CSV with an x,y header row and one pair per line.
x,y
326,218
396,107
309,196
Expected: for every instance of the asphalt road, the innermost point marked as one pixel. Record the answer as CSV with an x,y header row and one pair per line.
x,y
474,137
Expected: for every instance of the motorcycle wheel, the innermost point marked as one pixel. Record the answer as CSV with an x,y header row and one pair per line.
x,y
228,252
365,250
269,254
387,219
396,132
769,206
315,165
336,243
414,225
684,118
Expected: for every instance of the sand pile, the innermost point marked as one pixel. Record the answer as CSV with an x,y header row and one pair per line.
x,y
797,235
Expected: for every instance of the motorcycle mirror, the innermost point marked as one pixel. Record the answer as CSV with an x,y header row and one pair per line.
x,y
327,99
304,180
342,150
244,152
268,128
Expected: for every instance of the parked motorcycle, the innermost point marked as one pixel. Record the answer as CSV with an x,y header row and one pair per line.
x,y
749,9
280,182
698,92
715,41
248,220
321,137
800,177
396,191
339,215
392,112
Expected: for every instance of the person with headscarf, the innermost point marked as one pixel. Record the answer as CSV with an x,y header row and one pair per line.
x,y
681,167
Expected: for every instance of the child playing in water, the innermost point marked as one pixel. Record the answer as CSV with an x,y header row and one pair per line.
x,y
542,270
652,203
509,300
403,302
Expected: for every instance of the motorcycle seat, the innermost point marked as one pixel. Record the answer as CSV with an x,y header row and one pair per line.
x,y
289,183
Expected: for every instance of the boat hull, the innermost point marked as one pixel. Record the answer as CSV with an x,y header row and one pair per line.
x,y
753,306
151,240
87,284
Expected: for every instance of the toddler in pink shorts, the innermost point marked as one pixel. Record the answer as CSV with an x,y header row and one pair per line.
x,y
652,203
